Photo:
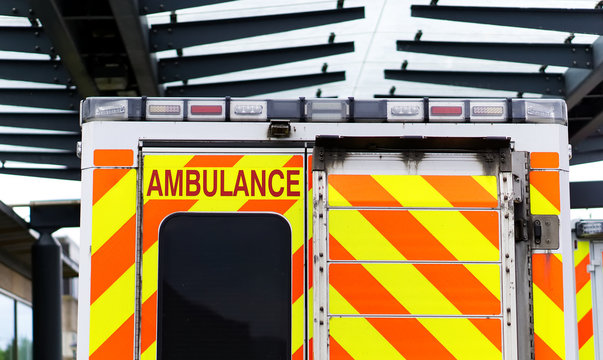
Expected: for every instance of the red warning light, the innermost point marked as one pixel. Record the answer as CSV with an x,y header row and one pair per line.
x,y
446,110
206,110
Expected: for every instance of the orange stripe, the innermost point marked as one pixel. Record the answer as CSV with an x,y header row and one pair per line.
x,y
582,275
356,282
214,161
120,345
154,212
415,242
336,351
298,354
585,328
297,280
113,157
113,259
547,182
461,288
362,190
547,274
486,222
148,315
279,206
410,339
104,180
462,191
544,160
542,351
295,161
491,329
310,178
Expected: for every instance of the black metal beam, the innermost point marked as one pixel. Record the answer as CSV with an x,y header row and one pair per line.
x,y
155,6
185,68
63,174
570,55
540,83
592,143
181,35
54,214
42,98
581,136
69,160
15,8
60,35
587,21
134,31
586,194
586,157
45,121
25,39
51,72
51,141
255,87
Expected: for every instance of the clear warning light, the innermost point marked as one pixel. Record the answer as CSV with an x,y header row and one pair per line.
x,y
487,110
111,109
409,110
248,109
591,229
165,109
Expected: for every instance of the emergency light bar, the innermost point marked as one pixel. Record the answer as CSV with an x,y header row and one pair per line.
x,y
326,110
589,229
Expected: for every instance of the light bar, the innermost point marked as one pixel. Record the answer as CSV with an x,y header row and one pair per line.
x,y
551,111
165,110
589,229
206,110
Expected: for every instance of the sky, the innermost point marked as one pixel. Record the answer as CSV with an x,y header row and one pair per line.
x,y
375,37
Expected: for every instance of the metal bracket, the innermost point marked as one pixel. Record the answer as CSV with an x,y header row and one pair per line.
x,y
544,232
520,180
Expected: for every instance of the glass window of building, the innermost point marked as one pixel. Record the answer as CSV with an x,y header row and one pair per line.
x,y
24,332
7,328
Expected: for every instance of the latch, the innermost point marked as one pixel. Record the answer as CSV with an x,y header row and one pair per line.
x,y
544,232
593,266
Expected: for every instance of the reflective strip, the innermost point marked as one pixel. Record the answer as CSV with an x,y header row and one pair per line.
x,y
425,289
156,208
544,193
413,191
112,278
426,235
584,304
549,327
113,157
544,160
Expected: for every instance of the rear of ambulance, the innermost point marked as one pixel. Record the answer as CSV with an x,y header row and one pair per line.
x,y
325,229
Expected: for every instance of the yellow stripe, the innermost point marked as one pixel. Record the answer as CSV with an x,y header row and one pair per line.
x,y
357,336
336,199
150,265
112,309
489,276
458,235
310,312
548,322
297,324
584,301
150,353
113,210
587,351
417,294
412,191
359,237
581,252
488,183
461,338
540,205
295,216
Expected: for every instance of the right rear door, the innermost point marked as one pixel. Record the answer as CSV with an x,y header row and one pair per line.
x,y
413,256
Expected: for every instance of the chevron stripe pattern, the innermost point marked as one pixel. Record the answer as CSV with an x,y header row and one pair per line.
x,y
544,184
235,184
417,283
113,248
584,301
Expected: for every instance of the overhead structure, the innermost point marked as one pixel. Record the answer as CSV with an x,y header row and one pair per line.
x,y
580,82
69,50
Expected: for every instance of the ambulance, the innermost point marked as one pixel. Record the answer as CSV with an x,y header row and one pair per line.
x,y
326,229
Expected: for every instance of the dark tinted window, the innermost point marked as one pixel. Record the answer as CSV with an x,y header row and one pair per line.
x,y
224,287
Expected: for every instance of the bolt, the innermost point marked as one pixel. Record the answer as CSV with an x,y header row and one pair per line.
x,y
506,216
505,179
321,322
321,269
322,308
507,270
508,323
506,197
508,309
321,254
507,256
